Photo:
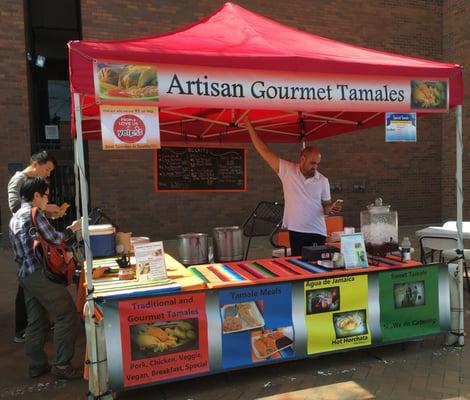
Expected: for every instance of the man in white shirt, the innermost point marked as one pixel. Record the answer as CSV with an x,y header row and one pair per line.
x,y
306,194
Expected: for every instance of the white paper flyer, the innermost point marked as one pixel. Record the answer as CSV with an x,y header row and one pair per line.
x,y
354,250
150,261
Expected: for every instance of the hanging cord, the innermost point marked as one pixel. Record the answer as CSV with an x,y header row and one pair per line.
x,y
89,362
302,129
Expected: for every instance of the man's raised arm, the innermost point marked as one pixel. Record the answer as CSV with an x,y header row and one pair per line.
x,y
268,156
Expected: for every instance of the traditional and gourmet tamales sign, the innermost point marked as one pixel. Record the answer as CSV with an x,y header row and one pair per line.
x,y
162,338
196,86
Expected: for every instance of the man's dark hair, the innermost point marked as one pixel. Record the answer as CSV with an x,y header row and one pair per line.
x,y
43,157
31,186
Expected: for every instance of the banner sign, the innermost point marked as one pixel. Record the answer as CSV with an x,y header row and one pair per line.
x,y
129,127
336,314
163,337
125,82
256,324
409,303
195,86
400,127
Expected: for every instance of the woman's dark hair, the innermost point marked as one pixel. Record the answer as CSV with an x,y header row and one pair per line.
x,y
43,157
31,186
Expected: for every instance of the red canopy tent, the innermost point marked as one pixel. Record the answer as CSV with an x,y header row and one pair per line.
x,y
306,81
236,39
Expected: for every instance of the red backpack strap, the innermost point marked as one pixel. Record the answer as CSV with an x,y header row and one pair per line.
x,y
34,217
39,240
34,213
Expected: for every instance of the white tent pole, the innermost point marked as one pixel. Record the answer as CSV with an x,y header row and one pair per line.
x,y
458,180
93,380
77,180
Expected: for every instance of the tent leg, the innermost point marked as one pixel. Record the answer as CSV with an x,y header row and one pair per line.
x,y
459,183
97,379
99,391
77,180
459,187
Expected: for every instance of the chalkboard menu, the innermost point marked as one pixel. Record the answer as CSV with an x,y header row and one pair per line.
x,y
200,169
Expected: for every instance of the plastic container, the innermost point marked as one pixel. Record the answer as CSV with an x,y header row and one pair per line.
x,y
405,249
102,240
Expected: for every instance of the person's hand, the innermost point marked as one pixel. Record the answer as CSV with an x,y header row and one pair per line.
x,y
53,211
247,121
333,208
64,207
76,225
337,206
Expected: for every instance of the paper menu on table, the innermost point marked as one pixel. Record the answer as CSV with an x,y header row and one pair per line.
x,y
150,261
354,250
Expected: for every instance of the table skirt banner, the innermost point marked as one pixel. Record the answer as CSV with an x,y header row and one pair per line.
x,y
169,337
256,324
336,313
409,303
161,338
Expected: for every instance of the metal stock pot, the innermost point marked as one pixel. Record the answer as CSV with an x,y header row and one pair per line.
x,y
193,248
228,243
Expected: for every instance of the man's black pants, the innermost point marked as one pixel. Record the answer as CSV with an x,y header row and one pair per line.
x,y
301,239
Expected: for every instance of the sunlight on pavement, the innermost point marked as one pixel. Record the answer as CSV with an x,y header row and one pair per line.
x,y
338,391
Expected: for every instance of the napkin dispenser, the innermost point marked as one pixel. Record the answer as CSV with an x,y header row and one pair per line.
x,y
316,253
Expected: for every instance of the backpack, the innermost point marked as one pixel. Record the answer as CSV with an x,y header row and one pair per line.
x,y
58,266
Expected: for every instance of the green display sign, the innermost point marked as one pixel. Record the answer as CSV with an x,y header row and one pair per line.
x,y
409,303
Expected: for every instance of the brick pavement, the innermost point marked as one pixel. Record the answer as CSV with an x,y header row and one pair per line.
x,y
415,370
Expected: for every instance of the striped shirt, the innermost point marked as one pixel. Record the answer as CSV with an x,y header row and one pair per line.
x,y
22,234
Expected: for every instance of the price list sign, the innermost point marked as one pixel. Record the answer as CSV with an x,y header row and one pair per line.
x,y
181,168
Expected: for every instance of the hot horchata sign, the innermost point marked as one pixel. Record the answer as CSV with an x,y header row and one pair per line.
x,y
192,86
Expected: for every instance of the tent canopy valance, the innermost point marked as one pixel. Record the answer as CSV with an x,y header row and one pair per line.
x,y
289,80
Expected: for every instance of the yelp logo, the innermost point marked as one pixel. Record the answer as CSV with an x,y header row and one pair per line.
x,y
129,128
